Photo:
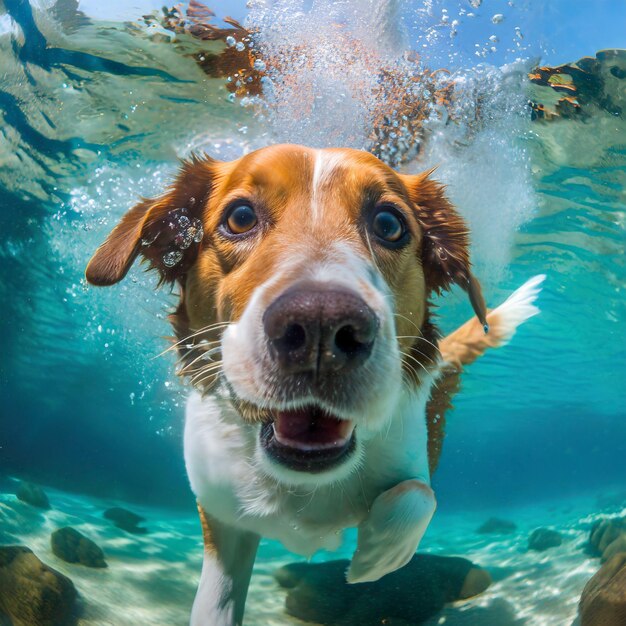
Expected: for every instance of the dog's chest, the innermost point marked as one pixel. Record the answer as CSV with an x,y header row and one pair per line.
x,y
229,482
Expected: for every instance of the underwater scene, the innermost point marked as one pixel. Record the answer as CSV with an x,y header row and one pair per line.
x,y
255,415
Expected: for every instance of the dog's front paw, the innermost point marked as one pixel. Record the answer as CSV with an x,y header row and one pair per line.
x,y
391,533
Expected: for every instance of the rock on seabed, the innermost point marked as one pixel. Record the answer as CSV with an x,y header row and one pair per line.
x,y
31,593
71,546
32,494
603,601
543,539
608,537
126,520
318,592
496,526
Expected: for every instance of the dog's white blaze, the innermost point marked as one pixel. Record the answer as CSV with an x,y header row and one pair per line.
x,y
324,165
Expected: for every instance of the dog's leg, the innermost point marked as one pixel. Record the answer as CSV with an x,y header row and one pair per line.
x,y
398,519
229,555
394,527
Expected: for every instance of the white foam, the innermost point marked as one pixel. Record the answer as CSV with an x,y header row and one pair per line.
x,y
324,92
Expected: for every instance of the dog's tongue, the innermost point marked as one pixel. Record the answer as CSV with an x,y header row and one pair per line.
x,y
310,428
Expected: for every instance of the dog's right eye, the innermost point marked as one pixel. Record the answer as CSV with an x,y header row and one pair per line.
x,y
240,219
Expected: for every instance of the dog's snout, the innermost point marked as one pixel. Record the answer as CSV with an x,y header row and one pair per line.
x,y
311,329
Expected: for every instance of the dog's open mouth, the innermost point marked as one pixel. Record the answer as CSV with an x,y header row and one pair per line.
x,y
308,439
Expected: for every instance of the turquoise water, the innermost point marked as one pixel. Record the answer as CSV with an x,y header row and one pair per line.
x,y
96,112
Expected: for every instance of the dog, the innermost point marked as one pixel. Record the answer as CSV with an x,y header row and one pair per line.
x,y
304,326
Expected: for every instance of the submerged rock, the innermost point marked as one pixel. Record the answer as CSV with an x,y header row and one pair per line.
x,y
318,592
608,537
615,547
544,538
126,520
32,494
603,600
31,593
71,546
496,526
577,89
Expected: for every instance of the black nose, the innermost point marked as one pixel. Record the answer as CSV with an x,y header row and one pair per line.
x,y
312,329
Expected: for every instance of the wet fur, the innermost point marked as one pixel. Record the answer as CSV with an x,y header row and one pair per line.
x,y
313,208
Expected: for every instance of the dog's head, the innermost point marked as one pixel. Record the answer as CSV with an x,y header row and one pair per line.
x,y
305,277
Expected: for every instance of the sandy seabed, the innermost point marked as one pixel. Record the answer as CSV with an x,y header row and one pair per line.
x,y
151,578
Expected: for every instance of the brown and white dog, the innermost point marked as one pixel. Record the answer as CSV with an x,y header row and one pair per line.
x,y
305,277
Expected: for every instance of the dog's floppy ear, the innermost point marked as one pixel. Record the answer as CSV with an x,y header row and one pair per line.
x,y
167,231
445,246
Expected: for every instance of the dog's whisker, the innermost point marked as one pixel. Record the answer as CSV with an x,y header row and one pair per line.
x,y
369,245
187,338
202,381
420,338
206,354
410,356
410,376
426,356
419,330
185,344
190,360
211,367
193,371
206,370
205,329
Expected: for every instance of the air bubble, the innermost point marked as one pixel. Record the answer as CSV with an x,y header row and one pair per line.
x,y
183,239
475,3
230,41
259,65
172,258
498,18
240,46
196,226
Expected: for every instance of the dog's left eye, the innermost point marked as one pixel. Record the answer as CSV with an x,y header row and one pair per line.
x,y
240,219
388,226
